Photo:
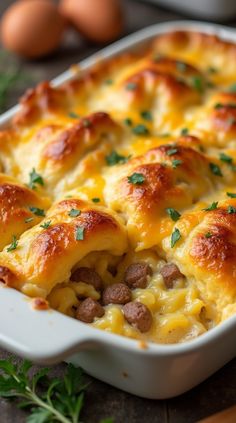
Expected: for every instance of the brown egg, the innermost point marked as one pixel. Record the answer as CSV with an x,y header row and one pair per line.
x,y
100,21
32,28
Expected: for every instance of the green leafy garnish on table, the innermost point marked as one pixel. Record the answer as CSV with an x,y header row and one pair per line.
x,y
47,399
59,400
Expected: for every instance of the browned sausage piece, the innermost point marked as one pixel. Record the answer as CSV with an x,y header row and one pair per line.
x,y
118,293
138,315
87,275
136,275
88,310
170,272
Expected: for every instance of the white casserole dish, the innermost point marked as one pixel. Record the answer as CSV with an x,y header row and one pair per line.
x,y
159,371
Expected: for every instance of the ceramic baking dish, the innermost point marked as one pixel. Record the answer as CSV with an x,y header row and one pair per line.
x,y
151,371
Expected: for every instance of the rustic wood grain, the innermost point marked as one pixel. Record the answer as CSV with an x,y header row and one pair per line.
x,y
215,394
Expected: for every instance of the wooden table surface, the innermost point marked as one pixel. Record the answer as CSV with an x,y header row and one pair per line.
x,y
102,400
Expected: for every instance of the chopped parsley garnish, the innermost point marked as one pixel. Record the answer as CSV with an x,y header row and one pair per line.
x,y
184,131
181,66
86,123
35,178
136,178
232,88
140,130
176,163
174,214
79,236
74,213
212,69
36,211
218,106
108,81
176,235
197,83
96,200
231,209
213,206
172,151
164,135
231,194
128,122
73,115
131,86
215,169
114,158
29,219
13,245
225,158
208,235
46,225
146,115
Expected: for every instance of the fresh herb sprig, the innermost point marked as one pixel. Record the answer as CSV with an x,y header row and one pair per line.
x,y
47,399
59,400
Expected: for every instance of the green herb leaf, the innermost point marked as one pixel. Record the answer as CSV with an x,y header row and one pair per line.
x,y
140,130
231,209
46,225
114,158
231,194
198,83
146,115
96,200
108,81
74,213
136,178
174,214
37,211
176,163
172,151
181,66
176,235
79,236
164,135
35,178
13,245
213,206
86,123
184,131
73,115
128,122
215,169
212,69
39,415
29,219
225,158
208,235
232,88
131,86
218,106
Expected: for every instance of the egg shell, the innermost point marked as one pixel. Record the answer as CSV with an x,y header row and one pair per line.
x,y
100,21
32,28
